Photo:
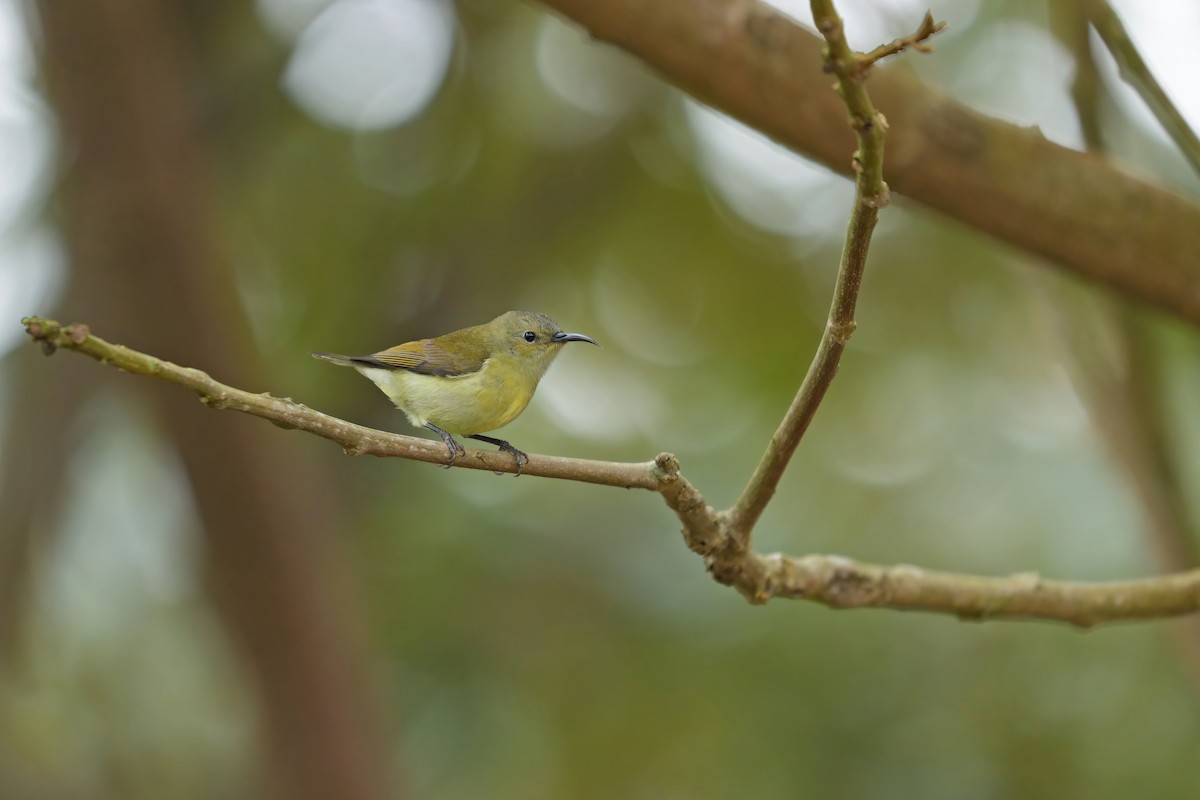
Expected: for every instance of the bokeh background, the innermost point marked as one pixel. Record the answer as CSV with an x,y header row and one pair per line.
x,y
198,605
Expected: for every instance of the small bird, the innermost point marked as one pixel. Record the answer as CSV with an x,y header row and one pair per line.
x,y
470,381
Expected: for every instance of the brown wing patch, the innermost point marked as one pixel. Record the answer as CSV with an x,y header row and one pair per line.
x,y
428,358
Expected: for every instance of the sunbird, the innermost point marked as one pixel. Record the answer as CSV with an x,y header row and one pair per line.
x,y
470,381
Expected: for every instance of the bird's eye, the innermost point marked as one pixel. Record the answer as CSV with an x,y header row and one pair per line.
x,y
529,336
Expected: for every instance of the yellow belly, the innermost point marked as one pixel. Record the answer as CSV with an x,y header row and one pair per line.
x,y
466,404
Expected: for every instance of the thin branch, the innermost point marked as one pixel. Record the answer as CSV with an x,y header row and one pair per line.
x,y
1138,75
870,195
355,440
915,41
834,581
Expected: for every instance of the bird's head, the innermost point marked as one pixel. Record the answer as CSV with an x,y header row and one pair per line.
x,y
532,338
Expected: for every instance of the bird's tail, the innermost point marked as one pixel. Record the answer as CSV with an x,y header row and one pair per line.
x,y
334,358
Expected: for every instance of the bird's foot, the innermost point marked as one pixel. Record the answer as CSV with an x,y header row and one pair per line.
x,y
453,447
521,458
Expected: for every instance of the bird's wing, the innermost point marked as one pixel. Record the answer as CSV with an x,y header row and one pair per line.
x,y
427,357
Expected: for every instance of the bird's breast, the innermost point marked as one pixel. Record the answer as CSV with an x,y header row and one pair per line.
x,y
477,402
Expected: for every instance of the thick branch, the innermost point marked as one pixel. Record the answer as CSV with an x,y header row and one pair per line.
x,y
832,580
754,63
842,583
1138,75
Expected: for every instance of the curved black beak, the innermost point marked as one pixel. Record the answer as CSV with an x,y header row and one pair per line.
x,y
563,338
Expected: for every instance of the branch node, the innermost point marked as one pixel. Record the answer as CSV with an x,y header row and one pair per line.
x,y
666,468
842,331
39,330
880,199
724,571
78,332
36,326
355,448
1027,581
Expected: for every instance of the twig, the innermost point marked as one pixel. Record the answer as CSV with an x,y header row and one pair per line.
x,y
870,195
1138,75
832,580
914,41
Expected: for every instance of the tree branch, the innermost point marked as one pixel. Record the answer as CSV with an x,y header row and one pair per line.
x,y
915,41
355,440
834,581
842,583
1138,75
870,195
755,64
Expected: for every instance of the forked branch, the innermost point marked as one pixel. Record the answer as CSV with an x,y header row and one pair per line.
x,y
831,580
870,195
722,538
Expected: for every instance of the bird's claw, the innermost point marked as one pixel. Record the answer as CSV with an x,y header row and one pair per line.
x,y
505,447
518,456
455,449
452,447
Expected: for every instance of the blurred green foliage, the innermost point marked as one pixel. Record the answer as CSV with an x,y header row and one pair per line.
x,y
536,639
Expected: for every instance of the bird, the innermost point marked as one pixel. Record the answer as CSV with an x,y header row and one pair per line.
x,y
470,381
